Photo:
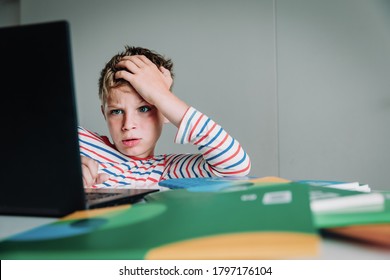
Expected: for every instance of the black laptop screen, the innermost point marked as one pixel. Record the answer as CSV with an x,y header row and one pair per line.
x,y
40,162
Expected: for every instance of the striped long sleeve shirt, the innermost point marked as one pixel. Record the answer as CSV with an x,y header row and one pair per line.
x,y
219,155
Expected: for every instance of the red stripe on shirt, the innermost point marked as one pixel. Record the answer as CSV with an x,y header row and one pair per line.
x,y
238,171
118,168
142,179
91,135
216,147
174,169
229,158
188,166
194,128
200,169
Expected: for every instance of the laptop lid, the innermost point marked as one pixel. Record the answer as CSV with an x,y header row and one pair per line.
x,y
40,160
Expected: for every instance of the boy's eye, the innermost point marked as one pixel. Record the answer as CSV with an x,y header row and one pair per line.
x,y
116,112
144,109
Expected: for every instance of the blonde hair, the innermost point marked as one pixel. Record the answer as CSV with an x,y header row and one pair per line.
x,y
107,79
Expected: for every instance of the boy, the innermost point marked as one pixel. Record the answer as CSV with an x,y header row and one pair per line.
x,y
136,101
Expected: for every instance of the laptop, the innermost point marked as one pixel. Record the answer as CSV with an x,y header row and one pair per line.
x,y
40,161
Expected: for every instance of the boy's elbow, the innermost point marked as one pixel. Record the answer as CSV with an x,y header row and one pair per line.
x,y
243,169
246,166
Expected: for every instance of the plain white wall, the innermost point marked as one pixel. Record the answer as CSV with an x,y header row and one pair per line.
x,y
223,51
312,74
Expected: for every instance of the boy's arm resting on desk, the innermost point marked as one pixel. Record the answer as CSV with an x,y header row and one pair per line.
x,y
220,154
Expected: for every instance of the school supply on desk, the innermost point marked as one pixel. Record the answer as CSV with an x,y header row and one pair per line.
x,y
212,182
378,234
352,186
267,206
335,208
356,215
259,222
351,210
217,183
40,160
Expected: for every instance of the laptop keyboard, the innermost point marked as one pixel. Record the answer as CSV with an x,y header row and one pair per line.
x,y
94,196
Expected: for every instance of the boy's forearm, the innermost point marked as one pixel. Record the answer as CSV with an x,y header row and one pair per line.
x,y
171,106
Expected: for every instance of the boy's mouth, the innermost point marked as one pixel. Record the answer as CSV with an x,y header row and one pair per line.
x,y
131,142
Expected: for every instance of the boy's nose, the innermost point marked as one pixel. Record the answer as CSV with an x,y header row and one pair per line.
x,y
129,123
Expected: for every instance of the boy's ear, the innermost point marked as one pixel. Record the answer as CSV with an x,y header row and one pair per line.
x,y
102,109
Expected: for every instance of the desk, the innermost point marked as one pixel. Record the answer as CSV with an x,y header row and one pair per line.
x,y
330,248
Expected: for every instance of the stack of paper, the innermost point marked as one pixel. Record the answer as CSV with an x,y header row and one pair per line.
x,y
352,186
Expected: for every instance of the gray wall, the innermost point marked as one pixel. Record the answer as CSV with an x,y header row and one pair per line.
x,y
334,89
302,84
9,12
223,52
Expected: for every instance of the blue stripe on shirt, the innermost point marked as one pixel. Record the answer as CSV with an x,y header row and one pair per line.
x,y
182,165
112,173
187,127
237,163
157,172
104,150
223,152
194,164
212,140
204,168
203,127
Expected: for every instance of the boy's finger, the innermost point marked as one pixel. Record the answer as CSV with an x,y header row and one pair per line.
x,y
123,75
87,176
164,71
138,60
102,177
129,65
144,59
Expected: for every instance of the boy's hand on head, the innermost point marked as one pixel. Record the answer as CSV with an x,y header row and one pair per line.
x,y
153,85
144,76
90,172
167,76
149,81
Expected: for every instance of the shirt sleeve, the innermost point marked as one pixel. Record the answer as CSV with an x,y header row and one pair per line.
x,y
219,153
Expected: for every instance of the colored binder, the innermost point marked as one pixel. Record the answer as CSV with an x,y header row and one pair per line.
x,y
259,222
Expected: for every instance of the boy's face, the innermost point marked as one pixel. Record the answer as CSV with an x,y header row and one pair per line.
x,y
134,125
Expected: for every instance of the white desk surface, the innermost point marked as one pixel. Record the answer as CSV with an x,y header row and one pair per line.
x,y
330,248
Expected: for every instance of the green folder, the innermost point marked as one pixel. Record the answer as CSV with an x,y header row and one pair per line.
x,y
259,222
333,207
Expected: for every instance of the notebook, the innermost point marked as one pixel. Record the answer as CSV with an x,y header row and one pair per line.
x,y
205,183
40,161
228,183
